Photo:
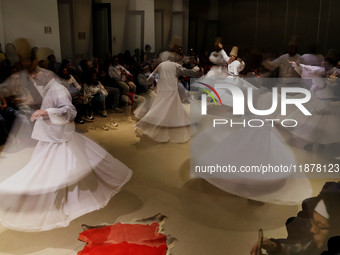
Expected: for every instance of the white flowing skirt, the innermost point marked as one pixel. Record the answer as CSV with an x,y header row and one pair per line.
x,y
167,120
250,147
323,126
61,182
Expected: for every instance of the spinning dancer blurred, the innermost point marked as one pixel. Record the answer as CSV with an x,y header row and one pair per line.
x,y
67,176
167,121
322,127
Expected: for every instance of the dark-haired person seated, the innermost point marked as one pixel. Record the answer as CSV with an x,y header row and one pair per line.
x,y
121,75
43,64
76,93
110,86
7,116
71,70
95,94
53,65
146,80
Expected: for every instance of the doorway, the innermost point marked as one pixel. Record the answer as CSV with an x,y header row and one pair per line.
x,y
102,39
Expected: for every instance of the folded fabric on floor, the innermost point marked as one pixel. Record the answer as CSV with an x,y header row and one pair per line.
x,y
126,238
124,249
119,233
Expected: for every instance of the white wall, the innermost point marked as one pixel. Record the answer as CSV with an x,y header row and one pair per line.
x,y
118,20
148,7
27,18
167,7
65,32
118,10
118,13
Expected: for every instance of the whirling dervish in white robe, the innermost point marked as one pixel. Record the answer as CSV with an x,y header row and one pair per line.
x,y
249,156
226,72
167,120
66,175
322,127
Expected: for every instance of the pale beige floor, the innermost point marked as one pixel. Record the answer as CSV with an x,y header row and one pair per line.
x,y
203,218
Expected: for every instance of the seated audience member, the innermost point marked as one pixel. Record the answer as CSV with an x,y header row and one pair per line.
x,y
13,70
11,53
86,69
128,60
325,223
146,82
182,91
205,62
101,73
95,61
191,60
7,116
53,65
136,57
18,95
102,65
149,55
76,93
19,66
108,58
121,75
95,93
43,64
76,64
109,84
84,57
3,56
34,51
71,70
275,55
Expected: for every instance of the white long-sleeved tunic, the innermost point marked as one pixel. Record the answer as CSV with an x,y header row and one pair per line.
x,y
58,126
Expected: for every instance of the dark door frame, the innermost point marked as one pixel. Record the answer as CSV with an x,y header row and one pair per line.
x,y
70,3
108,8
161,11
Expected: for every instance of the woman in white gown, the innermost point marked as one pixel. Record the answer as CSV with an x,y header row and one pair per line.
x,y
68,175
167,121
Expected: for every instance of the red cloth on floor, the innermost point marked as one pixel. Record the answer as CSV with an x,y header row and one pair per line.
x,y
124,249
118,238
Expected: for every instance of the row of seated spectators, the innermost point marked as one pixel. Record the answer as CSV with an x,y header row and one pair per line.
x,y
97,85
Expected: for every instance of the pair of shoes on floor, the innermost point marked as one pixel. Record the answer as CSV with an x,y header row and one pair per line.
x,y
104,114
113,124
89,117
129,119
135,117
139,133
117,110
80,121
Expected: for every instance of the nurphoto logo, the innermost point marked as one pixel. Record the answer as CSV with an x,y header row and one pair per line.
x,y
239,104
